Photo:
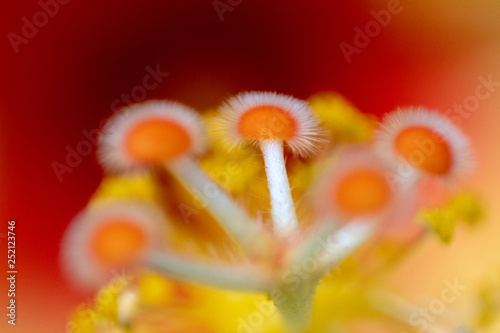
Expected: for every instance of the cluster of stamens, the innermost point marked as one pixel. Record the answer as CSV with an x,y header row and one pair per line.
x,y
358,188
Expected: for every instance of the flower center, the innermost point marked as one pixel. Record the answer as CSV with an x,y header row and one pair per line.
x,y
267,123
157,140
424,149
362,192
118,241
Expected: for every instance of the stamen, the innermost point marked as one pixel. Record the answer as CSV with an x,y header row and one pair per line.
x,y
151,141
346,240
362,192
161,133
434,154
108,236
356,185
149,133
244,278
256,116
268,120
331,246
282,206
267,123
230,216
427,142
117,240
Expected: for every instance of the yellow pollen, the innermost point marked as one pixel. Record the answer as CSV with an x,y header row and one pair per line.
x,y
267,123
157,140
118,241
424,149
364,191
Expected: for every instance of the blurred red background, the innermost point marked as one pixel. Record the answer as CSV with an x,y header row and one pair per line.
x,y
63,81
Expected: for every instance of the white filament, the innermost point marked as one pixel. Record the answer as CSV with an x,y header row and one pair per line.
x,y
282,206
